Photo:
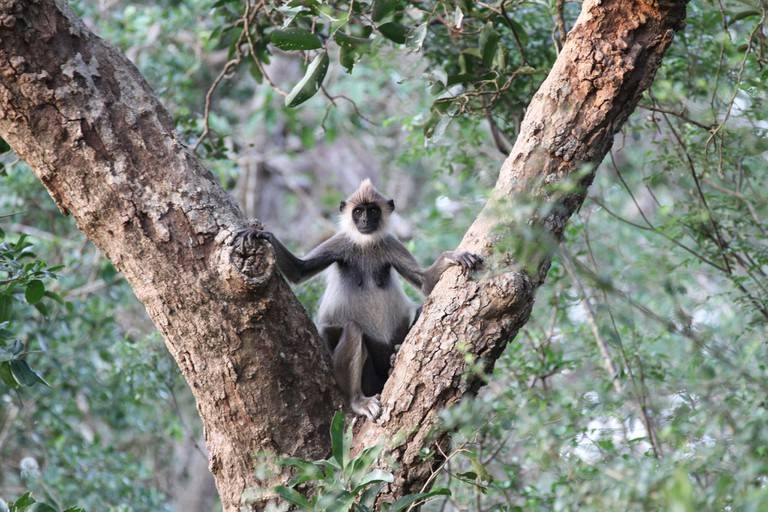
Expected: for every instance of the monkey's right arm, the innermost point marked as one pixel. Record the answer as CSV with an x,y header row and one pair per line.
x,y
293,268
426,279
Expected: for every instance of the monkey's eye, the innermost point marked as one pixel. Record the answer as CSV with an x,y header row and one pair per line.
x,y
357,211
375,212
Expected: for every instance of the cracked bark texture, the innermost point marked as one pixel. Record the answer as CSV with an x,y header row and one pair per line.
x,y
92,130
609,58
81,115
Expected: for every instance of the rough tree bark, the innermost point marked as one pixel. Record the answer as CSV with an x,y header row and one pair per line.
x,y
81,115
91,128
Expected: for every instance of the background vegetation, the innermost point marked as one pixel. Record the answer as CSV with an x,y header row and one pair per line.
x,y
640,382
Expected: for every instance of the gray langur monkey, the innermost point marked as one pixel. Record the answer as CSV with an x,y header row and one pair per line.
x,y
364,315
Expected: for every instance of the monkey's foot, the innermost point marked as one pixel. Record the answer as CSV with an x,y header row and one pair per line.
x,y
368,406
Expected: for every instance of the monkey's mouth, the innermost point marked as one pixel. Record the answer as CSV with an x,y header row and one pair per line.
x,y
366,230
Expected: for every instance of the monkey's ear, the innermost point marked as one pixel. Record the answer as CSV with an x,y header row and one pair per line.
x,y
342,205
391,204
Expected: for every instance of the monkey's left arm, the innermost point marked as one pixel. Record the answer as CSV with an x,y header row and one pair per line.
x,y
426,279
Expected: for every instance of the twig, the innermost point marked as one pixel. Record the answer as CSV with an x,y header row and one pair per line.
x,y
255,57
519,44
499,140
560,24
680,115
228,67
209,96
739,75
691,167
610,368
333,99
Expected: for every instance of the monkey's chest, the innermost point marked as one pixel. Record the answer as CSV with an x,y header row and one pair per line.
x,y
355,276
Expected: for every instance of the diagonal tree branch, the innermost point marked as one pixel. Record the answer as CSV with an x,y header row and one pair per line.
x,y
610,57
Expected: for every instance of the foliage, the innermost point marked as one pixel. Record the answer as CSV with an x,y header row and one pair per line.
x,y
341,482
21,274
85,435
639,382
27,503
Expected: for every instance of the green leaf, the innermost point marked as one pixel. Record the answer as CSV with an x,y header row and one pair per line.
x,y
4,147
41,308
35,291
294,38
382,8
351,47
679,493
293,497
394,31
406,501
337,438
347,41
489,43
5,355
368,498
7,376
305,470
309,85
24,374
375,476
6,302
366,459
347,58
416,37
23,502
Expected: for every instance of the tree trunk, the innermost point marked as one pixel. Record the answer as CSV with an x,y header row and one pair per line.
x,y
81,115
86,121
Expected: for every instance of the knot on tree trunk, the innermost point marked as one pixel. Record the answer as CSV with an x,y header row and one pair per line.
x,y
246,263
505,292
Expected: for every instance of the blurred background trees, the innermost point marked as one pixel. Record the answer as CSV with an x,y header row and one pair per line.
x,y
640,382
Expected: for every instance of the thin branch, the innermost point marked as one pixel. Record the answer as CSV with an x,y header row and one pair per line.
x,y
692,168
739,75
681,115
333,98
233,63
508,21
560,24
610,368
255,57
640,390
500,141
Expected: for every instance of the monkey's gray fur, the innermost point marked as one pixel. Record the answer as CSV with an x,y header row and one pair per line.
x,y
364,313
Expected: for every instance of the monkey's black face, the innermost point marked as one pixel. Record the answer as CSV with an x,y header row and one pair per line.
x,y
367,217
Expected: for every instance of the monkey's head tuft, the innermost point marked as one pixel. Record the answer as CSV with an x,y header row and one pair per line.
x,y
365,213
